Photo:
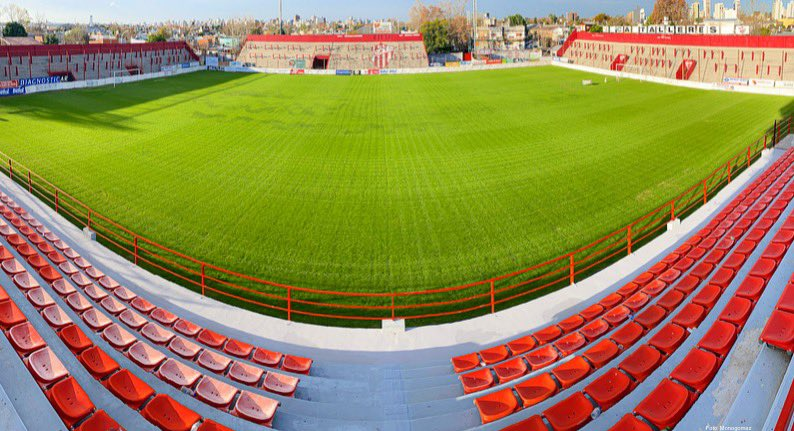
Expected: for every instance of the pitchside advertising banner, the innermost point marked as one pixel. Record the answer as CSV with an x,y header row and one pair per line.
x,y
17,86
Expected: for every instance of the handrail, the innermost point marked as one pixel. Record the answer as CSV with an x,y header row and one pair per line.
x,y
332,306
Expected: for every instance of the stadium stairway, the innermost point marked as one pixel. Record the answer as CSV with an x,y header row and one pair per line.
x,y
406,389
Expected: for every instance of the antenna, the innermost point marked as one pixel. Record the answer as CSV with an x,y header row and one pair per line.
x,y
474,26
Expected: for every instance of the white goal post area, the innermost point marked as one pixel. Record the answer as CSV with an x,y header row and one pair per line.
x,y
121,73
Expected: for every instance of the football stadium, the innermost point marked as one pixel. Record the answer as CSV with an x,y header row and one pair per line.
x,y
334,232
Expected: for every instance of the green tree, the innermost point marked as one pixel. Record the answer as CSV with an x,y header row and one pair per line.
x,y
162,35
436,35
77,35
51,39
596,29
14,29
517,19
601,18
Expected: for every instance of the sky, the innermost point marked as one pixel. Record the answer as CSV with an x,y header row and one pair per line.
x,y
127,11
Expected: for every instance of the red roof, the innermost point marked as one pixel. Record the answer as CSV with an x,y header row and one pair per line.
x,y
45,50
690,40
335,38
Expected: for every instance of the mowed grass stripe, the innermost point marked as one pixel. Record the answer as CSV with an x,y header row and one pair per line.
x,y
382,184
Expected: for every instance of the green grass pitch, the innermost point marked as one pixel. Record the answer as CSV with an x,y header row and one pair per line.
x,y
379,183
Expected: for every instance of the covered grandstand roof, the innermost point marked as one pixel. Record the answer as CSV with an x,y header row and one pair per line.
x,y
735,41
44,50
335,38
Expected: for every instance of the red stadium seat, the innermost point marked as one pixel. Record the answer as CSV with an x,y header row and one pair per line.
x,y
669,338
570,343
610,300
592,312
187,328
548,334
215,393
779,330
99,421
642,362
10,315
719,338
169,415
572,323
255,408
184,348
688,284
122,293
542,357
130,389
25,339
494,355
245,374
670,300
39,298
54,316
156,334
533,423
98,363
510,370
238,348
522,345
178,375
637,301
608,389
96,319
536,389
145,356
280,384
119,338
651,316
627,335
213,361
272,359
665,405
595,329
751,288
211,339
132,319
569,414
163,316
572,371
476,381
708,296
697,369
74,338
45,366
737,311
617,315
690,316
630,423
78,302
496,405
112,306
601,353
209,425
70,401
296,364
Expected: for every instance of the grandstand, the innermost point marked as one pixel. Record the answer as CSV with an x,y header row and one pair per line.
x,y
340,52
83,62
710,59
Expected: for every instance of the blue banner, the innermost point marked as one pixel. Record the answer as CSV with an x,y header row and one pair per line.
x,y
343,72
11,91
42,80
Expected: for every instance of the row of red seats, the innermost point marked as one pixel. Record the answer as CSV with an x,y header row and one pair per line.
x,y
620,304
642,362
249,406
52,247
67,397
697,369
779,329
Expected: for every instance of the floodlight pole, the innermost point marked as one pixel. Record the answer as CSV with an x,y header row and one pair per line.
x,y
280,19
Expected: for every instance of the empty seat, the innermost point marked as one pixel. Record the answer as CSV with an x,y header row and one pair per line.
x,y
637,301
94,273
536,389
610,300
476,381
74,338
569,414
670,300
572,371
215,393
751,288
723,277
145,356
571,323
296,364
45,366
142,305
719,338
548,334
99,421
98,363
169,415
642,362
245,374
40,298
602,353
737,311
95,319
186,328
690,316
697,369
510,370
94,292
118,337
69,269
112,306
654,288
617,315
127,387
669,338
651,316
627,335
764,268
122,293
494,355
63,287
496,405
132,319
184,348
687,284
80,280
570,343
163,316
608,389
156,333
595,329
272,359
280,384
70,401
238,348
25,281
109,283
533,423
211,339
78,302
255,408
213,361
779,330
25,339
708,296
630,423
177,374
54,316
209,425
542,357
665,405
592,312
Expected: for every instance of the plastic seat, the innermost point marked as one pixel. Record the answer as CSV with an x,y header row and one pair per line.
x,y
601,353
184,348
779,330
592,312
610,300
124,294
747,247
608,389
595,329
78,302
163,316
280,384
536,389
627,335
25,281
215,393
698,252
572,371
637,301
476,381
628,289
617,315
63,287
5,254
49,274
25,339
53,314
719,338
670,300
533,423
39,298
708,296
751,288
245,374
187,328
109,283
94,273
548,334
94,292
95,319
494,355
702,270
651,316
80,280
642,362
542,357
510,370
665,405
296,364
70,401
654,288
644,278
99,421
132,319
69,269
169,415
669,338
157,334
209,425
37,262
764,268
56,258
737,311
255,408
786,301
117,337
697,369
272,359
112,306
45,366
715,257
496,405
70,253
687,284
569,414
572,323
74,338
630,423
142,305
178,375
145,356
213,361
26,251
684,264
570,343
690,316
723,278
130,389
735,261
98,363
211,338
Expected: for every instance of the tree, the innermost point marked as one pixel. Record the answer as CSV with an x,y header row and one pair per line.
x,y
14,13
517,19
458,29
596,29
161,35
675,10
77,35
51,39
240,28
436,36
14,29
601,18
